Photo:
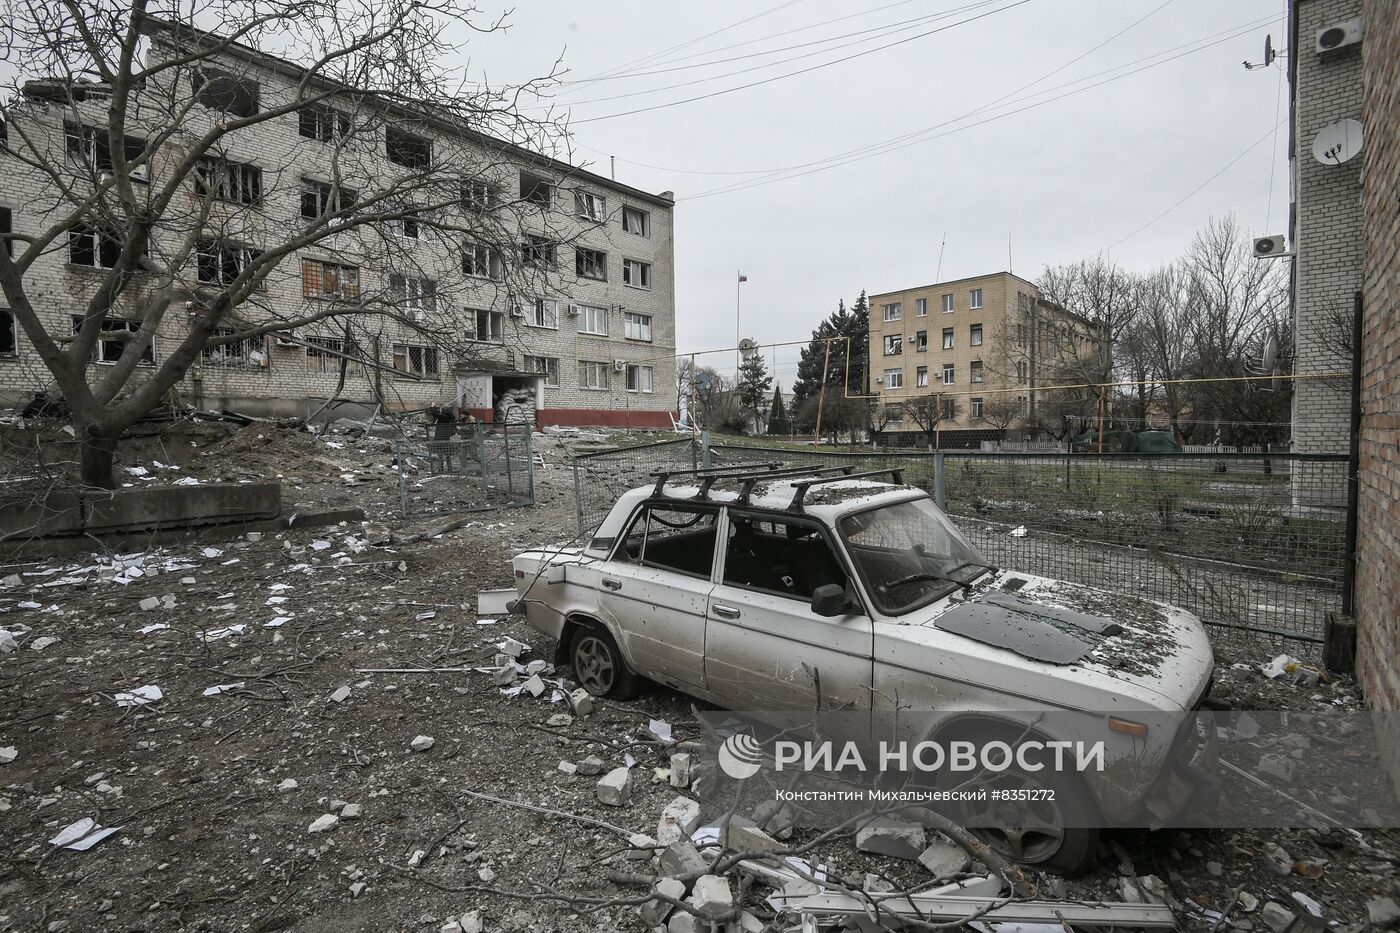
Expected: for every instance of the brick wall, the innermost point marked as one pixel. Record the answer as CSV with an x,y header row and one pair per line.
x,y
1378,533
1327,227
288,378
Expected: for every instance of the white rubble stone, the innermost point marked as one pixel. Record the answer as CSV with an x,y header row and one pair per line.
x,y
357,889
895,838
416,858
680,858
582,702
451,926
1276,917
642,847
351,811
654,913
534,686
944,858
323,822
486,874
678,821
421,743
743,835
683,922
680,769
288,784
711,896
149,603
615,787
591,765
568,767
341,694
472,922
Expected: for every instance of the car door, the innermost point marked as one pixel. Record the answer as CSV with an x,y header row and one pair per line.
x,y
656,587
765,649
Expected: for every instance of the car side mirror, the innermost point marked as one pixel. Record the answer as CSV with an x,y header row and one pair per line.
x,y
829,599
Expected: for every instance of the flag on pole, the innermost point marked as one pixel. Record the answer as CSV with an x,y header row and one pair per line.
x,y
743,278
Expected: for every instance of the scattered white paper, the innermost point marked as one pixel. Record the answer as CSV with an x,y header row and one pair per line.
x,y
153,627
212,552
280,620
30,604
629,759
275,600
428,614
8,754
230,563
661,729
217,633
186,481
1019,531
82,835
485,621
320,545
279,587
220,688
140,696
136,471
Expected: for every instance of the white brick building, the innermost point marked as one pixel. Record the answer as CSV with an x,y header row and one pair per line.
x,y
1326,224
585,321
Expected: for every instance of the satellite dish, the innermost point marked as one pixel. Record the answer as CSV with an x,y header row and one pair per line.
x,y
1337,143
1268,355
748,347
1268,49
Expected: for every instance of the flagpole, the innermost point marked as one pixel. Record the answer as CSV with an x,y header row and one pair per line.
x,y
738,328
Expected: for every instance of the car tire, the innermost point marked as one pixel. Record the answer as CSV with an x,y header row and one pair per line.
x,y
1058,836
599,666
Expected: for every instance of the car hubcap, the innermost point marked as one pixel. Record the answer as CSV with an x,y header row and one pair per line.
x,y
1027,831
593,663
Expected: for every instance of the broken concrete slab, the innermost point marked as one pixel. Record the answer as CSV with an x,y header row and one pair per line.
x,y
678,820
944,858
341,694
615,787
641,847
680,769
680,859
323,822
582,702
654,913
1383,913
711,896
351,811
421,743
744,835
591,765
892,837
1276,917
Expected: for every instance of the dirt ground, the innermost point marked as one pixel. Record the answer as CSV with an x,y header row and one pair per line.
x,y
215,792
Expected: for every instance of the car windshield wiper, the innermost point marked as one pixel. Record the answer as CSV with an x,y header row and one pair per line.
x,y
943,578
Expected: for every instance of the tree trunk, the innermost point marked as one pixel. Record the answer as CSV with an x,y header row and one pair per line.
x,y
97,455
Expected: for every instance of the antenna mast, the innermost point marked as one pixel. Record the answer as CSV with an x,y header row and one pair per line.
x,y
937,276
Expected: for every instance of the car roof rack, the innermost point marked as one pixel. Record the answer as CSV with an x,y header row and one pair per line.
x,y
708,475
895,473
751,481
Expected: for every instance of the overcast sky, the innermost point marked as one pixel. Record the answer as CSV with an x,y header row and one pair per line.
x,y
1066,179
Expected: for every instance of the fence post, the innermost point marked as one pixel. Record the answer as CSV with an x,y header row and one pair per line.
x,y
940,491
578,498
704,450
529,467
510,476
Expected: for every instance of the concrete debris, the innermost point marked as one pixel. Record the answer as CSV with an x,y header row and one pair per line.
x,y
288,784
341,694
743,835
416,858
680,858
323,822
451,926
534,686
351,811
568,767
8,754
486,874
615,787
511,647
892,837
149,603
1276,916
39,644
654,913
1248,902
711,896
1278,861
421,743
140,696
559,720
472,922
504,676
1279,767
944,858
357,889
494,602
661,729
581,701
591,766
680,769
678,821
1383,913
641,847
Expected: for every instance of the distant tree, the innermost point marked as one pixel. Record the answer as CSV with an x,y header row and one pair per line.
x,y
929,412
1001,412
845,330
715,400
778,423
754,383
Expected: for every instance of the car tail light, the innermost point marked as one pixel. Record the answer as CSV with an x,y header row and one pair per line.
x,y
1127,726
520,575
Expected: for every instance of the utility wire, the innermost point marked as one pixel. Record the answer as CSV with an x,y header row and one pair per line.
x,y
921,136
801,71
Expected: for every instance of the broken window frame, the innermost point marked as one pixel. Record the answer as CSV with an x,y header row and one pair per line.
x,y
91,146
226,93
226,180
636,221
322,197
9,334
101,249
239,353
322,122
921,341
546,366
590,206
495,329
415,294
975,372
110,351
593,320
318,360
537,190
542,313
538,251
226,260
313,286
408,227
636,326
478,256
591,264
894,344
948,338
418,359
635,372
407,149
636,273
479,196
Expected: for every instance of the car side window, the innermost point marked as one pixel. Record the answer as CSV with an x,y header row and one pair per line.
x,y
671,537
781,556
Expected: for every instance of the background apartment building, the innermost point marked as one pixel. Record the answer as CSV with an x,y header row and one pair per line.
x,y
540,287
967,354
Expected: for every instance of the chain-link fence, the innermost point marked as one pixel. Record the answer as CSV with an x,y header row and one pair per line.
x,y
1253,544
465,468
599,478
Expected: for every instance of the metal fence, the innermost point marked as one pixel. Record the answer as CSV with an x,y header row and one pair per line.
x,y
599,478
465,468
1252,544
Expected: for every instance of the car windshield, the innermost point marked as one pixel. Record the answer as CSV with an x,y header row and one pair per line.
x,y
909,554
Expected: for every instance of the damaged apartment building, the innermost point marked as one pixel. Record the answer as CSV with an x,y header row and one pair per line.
x,y
970,359
518,285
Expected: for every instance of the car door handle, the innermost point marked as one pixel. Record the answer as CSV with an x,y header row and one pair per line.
x,y
612,584
726,612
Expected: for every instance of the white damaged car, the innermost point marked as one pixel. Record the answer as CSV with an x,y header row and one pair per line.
x,y
759,588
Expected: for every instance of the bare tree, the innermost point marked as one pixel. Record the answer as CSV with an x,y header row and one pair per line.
x,y
1002,411
136,127
930,412
1159,342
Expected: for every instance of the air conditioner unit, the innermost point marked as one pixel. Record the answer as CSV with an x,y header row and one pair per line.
x,y
619,366
416,316
571,310
517,311
1339,36
1270,247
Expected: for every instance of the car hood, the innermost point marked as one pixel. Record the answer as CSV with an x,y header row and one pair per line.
x,y
1111,638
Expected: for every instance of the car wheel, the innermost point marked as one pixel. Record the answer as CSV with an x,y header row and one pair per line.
x,y
1050,830
599,666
